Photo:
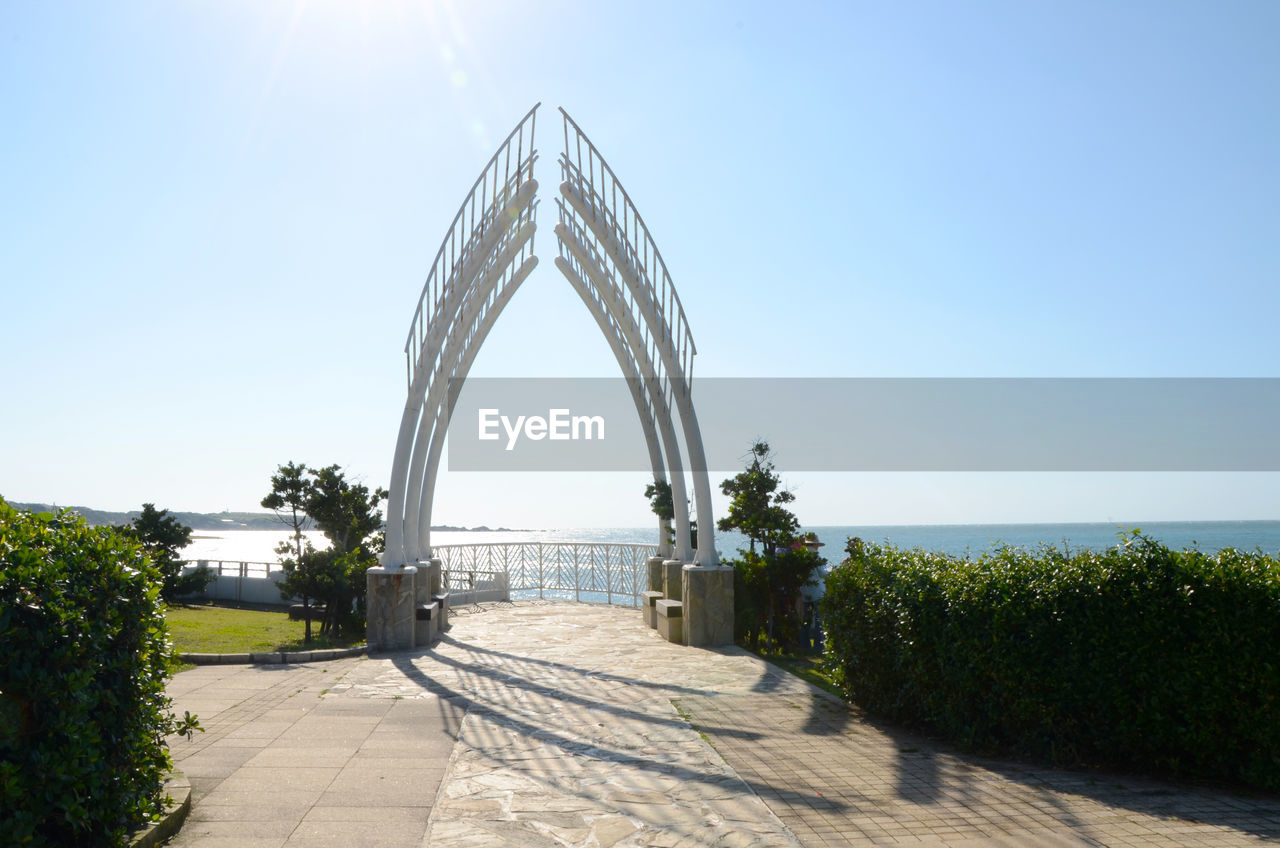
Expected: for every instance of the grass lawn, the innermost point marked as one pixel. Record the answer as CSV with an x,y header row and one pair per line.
x,y
220,630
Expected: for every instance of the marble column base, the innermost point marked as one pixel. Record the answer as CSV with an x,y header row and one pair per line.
x,y
672,584
655,573
432,569
390,608
426,626
436,590
708,605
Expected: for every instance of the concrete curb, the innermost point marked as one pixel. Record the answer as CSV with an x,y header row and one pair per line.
x,y
275,657
178,788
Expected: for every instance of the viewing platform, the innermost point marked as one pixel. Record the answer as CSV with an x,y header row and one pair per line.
x,y
540,724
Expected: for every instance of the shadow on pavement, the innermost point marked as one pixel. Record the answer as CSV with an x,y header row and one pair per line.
x,y
527,726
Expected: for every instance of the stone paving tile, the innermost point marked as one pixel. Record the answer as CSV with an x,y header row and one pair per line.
x,y
869,783
276,762
570,736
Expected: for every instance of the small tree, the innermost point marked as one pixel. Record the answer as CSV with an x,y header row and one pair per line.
x,y
288,500
767,582
161,537
756,509
349,516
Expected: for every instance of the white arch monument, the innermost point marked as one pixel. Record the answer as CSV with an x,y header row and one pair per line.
x,y
608,256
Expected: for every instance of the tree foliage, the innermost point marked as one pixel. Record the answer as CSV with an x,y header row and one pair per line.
x,y
663,504
1138,656
661,500
768,581
349,516
756,509
288,500
83,711
162,536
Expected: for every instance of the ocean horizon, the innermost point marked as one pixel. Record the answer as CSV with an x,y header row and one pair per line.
x,y
956,539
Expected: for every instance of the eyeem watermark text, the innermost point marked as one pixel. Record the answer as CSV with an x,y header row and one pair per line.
x,y
559,425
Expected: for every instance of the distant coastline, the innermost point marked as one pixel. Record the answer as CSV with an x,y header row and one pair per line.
x,y
225,520
955,539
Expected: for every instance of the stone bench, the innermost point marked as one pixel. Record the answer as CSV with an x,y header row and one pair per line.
x,y
442,598
671,621
426,624
649,602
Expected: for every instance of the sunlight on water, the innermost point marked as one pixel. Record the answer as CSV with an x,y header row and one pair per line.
x,y
259,545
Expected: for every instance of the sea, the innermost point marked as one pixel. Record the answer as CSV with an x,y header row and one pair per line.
x,y
233,545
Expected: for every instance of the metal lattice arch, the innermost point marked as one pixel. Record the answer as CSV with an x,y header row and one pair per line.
x,y
609,257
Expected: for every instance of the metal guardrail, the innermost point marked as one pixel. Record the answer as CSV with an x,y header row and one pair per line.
x,y
597,572
235,568
600,572
240,581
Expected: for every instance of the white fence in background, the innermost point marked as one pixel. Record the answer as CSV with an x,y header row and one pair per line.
x,y
473,587
241,582
598,572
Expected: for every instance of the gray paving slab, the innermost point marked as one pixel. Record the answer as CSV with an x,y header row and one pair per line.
x,y
281,764
550,724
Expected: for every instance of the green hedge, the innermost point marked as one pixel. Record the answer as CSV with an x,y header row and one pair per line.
x,y
82,706
1140,656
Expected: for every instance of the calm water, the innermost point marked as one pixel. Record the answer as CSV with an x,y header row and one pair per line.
x,y
259,545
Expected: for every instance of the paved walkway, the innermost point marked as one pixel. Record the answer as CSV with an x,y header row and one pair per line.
x,y
550,724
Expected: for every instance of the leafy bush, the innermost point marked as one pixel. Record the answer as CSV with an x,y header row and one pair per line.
x,y
767,595
83,712
1139,656
162,536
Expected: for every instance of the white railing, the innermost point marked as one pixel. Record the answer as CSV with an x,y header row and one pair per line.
x,y
596,572
234,568
240,581
468,586
599,572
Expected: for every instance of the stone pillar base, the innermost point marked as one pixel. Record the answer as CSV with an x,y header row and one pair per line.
x,y
708,605
424,625
432,569
655,573
390,606
672,585
436,591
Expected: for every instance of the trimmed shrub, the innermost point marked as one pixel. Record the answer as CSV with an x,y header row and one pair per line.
x,y
83,712
1139,656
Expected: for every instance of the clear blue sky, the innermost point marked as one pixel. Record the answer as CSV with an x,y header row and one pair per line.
x,y
217,217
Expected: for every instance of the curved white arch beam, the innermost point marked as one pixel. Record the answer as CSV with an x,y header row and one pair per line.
x,y
479,322
434,417
477,328
487,212
473,277
464,307
639,396
596,194
401,510
649,408
598,280
642,292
